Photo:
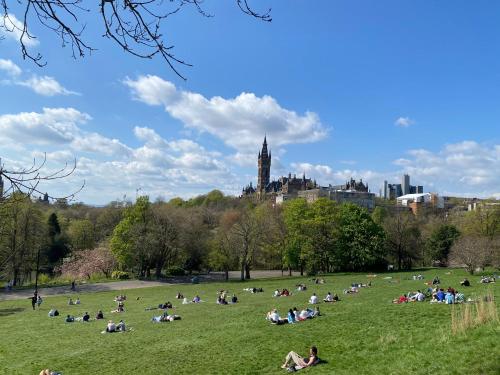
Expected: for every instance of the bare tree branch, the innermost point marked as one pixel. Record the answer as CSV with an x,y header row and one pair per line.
x,y
135,25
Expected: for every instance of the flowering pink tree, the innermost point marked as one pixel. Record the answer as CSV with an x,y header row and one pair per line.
x,y
85,263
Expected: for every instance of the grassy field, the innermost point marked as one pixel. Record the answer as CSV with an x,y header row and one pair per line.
x,y
363,334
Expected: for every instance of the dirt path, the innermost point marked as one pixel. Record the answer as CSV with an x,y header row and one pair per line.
x,y
130,284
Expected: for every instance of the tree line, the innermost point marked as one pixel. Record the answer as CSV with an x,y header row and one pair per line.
x,y
223,233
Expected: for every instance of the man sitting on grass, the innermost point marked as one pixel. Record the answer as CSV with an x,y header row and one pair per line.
x,y
86,317
329,298
70,319
314,299
274,317
296,362
111,327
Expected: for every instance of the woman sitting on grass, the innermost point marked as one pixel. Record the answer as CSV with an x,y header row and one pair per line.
x,y
179,295
291,316
99,315
196,299
296,362
274,317
314,299
111,327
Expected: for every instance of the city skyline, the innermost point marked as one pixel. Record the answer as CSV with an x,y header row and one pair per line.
x,y
370,93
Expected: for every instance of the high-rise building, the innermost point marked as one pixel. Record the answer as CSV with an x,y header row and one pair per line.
x,y
393,191
405,184
1,187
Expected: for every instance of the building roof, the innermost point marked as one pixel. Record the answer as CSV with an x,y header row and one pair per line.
x,y
413,196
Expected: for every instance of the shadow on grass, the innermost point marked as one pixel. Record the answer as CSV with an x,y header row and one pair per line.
x,y
5,312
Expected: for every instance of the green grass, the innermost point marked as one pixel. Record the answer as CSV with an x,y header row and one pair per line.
x,y
362,334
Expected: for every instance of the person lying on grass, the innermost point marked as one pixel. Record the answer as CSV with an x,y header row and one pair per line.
x,y
353,289
294,362
308,313
274,317
401,299
253,290
417,296
120,298
165,318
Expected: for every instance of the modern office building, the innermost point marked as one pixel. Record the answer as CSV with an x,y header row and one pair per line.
x,y
393,191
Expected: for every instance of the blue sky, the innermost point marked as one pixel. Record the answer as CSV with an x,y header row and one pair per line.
x,y
363,89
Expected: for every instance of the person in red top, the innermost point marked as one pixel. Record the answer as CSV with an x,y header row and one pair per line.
x,y
402,299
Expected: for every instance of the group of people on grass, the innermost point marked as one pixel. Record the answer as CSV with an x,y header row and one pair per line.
x,y
282,293
293,315
253,290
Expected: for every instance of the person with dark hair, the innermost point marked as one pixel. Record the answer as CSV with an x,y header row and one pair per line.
x,y
86,317
99,315
33,300
465,282
291,316
297,362
69,319
234,299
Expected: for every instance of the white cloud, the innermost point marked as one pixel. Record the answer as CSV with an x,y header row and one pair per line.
x,y
12,28
111,168
8,66
239,122
52,126
467,167
404,122
46,86
42,85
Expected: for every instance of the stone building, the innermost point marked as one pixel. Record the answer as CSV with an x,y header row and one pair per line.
x,y
290,187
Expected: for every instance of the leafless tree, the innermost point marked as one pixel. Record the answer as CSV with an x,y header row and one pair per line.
x,y
28,180
135,25
472,252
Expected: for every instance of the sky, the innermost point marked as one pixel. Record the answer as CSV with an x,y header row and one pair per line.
x,y
342,89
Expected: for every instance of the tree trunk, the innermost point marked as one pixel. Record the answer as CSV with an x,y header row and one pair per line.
x,y
247,271
289,271
226,275
242,271
301,269
158,268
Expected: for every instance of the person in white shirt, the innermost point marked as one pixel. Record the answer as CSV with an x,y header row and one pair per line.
x,y
111,327
329,297
314,299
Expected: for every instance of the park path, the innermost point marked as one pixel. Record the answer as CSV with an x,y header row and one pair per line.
x,y
129,284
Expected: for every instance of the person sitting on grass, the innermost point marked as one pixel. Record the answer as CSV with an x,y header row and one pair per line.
x,y
70,301
221,301
301,287
314,299
436,281
120,308
179,295
285,293
276,293
196,299
465,282
234,299
401,299
295,362
53,312
120,327
449,298
86,317
440,295
99,315
111,327
459,297
166,305
77,301
291,316
69,319
329,298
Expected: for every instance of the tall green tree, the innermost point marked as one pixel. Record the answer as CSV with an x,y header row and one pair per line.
x,y
360,243
441,240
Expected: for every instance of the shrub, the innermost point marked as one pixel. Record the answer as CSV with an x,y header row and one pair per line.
x,y
175,271
44,279
120,275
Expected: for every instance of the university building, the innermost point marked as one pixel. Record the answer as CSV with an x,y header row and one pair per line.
x,y
291,187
